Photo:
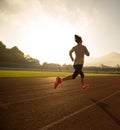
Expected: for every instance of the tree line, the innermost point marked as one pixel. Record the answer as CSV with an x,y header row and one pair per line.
x,y
15,58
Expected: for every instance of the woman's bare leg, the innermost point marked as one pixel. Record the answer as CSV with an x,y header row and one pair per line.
x,y
82,81
67,78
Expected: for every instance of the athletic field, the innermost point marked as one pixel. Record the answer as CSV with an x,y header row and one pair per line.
x,y
31,103
17,73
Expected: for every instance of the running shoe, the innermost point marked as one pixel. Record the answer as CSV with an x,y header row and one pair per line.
x,y
86,86
57,82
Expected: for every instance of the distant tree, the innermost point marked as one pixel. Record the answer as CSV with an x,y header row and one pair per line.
x,y
51,66
3,52
45,65
118,66
2,46
15,57
104,66
32,61
16,52
27,58
67,67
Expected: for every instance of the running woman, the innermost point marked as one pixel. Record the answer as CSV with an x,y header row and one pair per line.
x,y
80,50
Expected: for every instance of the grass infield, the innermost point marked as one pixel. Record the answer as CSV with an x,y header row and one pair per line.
x,y
16,73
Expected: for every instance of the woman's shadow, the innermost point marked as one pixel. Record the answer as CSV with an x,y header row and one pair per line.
x,y
104,106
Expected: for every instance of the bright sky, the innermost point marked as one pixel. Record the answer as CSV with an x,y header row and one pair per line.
x,y
45,29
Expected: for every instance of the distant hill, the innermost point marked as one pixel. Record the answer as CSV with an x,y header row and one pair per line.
x,y
111,59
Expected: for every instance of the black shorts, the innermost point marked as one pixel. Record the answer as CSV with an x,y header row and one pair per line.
x,y
78,70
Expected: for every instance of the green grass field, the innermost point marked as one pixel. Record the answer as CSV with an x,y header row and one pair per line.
x,y
16,73
9,73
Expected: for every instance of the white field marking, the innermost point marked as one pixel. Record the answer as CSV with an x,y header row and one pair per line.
x,y
77,112
31,99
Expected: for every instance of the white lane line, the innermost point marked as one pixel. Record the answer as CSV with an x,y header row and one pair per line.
x,y
77,112
31,99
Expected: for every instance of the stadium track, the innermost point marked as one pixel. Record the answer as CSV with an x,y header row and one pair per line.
x,y
33,104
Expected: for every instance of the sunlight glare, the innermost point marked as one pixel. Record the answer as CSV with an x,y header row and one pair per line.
x,y
50,40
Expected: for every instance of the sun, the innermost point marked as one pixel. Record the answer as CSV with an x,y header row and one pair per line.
x,y
51,40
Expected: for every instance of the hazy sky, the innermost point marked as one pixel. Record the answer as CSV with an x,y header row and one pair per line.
x,y
45,29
